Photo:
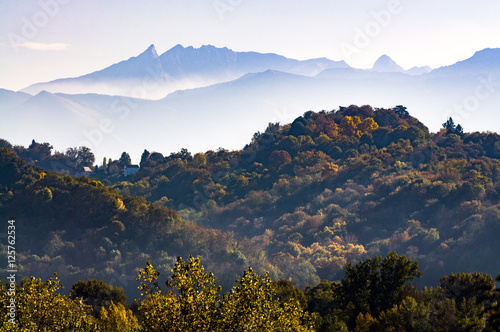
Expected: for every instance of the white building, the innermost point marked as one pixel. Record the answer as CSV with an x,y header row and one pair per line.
x,y
130,169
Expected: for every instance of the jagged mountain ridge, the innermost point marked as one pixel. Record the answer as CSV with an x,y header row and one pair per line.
x,y
486,61
153,76
179,68
10,98
227,114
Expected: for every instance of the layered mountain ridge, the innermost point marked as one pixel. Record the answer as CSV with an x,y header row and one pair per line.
x,y
180,68
235,94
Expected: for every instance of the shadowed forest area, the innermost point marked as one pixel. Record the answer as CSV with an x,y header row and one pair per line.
x,y
332,212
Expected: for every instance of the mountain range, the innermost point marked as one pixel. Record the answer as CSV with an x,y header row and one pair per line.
x,y
180,68
208,97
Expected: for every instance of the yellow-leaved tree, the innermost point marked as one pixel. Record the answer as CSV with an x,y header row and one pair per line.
x,y
193,302
40,307
117,318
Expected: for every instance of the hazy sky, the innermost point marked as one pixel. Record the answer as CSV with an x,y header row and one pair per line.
x,y
47,39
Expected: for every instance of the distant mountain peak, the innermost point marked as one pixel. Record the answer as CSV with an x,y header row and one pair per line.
x,y
44,93
150,51
486,61
488,51
386,64
488,55
418,70
176,47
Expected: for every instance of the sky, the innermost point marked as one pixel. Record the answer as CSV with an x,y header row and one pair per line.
x,y
48,39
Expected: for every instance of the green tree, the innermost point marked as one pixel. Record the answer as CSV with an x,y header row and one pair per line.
x,y
81,156
323,297
85,156
401,111
406,316
144,157
12,168
125,159
325,300
5,144
492,309
451,128
39,151
97,294
467,286
286,290
376,284
200,159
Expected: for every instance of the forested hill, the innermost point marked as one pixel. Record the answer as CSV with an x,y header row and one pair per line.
x,y
307,197
83,230
300,201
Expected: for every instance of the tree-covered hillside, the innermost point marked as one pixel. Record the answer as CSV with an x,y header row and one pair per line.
x,y
308,197
303,201
300,201
82,230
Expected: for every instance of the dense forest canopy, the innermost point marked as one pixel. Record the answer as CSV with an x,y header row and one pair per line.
x,y
374,295
300,201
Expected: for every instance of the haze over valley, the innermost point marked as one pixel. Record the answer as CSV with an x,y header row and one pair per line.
x,y
168,102
263,166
